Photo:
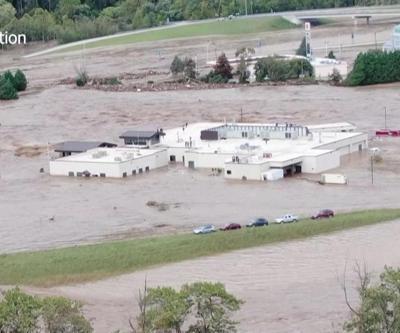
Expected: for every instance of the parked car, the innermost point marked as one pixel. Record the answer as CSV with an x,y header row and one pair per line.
x,y
324,213
231,226
204,229
258,222
288,218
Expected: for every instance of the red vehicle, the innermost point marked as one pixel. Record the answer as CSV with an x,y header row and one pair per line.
x,y
232,226
387,132
325,213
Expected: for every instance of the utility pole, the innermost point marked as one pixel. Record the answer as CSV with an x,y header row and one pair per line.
x,y
385,118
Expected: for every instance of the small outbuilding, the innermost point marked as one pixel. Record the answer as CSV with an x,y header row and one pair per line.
x,y
68,148
142,138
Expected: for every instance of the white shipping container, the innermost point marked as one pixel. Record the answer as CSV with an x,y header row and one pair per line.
x,y
333,178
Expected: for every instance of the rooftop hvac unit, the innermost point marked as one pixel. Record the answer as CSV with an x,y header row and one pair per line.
x,y
99,154
117,159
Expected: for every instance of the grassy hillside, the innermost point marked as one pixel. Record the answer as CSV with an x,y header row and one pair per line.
x,y
92,262
236,26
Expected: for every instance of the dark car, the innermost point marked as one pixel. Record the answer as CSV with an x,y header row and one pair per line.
x,y
231,226
325,213
259,222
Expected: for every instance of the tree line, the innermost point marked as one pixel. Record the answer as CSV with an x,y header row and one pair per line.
x,y
70,20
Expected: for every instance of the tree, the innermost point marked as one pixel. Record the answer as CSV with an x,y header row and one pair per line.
x,y
19,312
7,90
9,77
167,309
331,55
379,309
177,66
212,307
302,50
223,67
242,70
61,315
190,68
20,82
22,313
7,13
204,307
373,67
244,53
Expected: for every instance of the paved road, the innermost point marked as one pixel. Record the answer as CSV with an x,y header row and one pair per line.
x,y
294,16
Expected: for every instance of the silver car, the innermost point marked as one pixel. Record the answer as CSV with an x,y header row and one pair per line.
x,y
204,229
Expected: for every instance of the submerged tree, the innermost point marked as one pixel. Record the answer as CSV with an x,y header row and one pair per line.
x,y
223,67
242,70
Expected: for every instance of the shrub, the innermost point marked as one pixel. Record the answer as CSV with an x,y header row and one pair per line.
x,y
19,312
331,55
112,81
20,81
213,77
63,315
276,69
7,90
82,78
335,77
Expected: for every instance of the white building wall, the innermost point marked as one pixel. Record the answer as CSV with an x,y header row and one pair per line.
x,y
178,152
209,160
321,163
322,71
62,167
350,145
245,171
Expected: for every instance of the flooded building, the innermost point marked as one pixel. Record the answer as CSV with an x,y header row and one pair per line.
x,y
239,150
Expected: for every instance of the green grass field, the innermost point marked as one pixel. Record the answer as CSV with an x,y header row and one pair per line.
x,y
92,262
225,27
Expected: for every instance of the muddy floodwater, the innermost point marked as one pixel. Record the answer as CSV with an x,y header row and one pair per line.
x,y
39,211
288,287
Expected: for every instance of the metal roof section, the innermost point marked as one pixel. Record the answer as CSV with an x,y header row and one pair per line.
x,y
80,146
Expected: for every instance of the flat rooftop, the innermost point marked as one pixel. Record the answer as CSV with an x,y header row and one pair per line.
x,y
109,155
279,149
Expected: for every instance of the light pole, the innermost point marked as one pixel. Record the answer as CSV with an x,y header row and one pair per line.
x,y
374,152
372,169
